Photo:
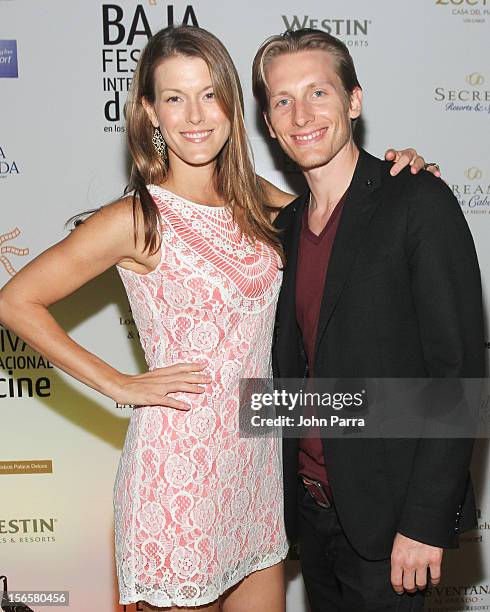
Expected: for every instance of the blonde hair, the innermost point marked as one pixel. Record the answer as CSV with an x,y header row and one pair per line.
x,y
302,40
235,178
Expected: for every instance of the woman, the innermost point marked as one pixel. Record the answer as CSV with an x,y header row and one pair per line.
x,y
198,511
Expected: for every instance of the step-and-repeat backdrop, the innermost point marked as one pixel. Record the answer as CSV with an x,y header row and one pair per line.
x,y
65,69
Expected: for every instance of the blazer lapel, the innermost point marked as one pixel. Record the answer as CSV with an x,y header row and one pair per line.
x,y
286,332
358,209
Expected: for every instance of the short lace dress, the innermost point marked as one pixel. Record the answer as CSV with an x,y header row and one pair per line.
x,y
197,507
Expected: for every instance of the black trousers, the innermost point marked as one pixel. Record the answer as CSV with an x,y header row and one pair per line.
x,y
336,578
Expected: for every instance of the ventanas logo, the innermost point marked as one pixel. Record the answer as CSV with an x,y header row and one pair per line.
x,y
473,191
353,32
472,97
27,530
469,11
457,597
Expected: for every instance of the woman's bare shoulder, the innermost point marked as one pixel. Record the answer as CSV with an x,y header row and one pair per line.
x,y
116,215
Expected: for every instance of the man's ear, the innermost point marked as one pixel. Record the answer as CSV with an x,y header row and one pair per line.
x,y
150,111
268,122
355,106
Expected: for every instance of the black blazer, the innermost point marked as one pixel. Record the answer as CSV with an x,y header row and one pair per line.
x,y
402,299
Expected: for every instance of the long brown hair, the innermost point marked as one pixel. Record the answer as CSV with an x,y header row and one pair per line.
x,y
235,178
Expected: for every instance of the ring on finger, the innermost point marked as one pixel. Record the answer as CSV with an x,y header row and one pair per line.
x,y
436,166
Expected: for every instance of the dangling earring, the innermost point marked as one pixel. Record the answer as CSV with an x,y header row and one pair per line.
x,y
160,144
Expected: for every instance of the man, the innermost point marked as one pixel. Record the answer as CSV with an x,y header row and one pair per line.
x,y
381,280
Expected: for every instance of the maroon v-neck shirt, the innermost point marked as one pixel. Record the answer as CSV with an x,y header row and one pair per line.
x,y
313,258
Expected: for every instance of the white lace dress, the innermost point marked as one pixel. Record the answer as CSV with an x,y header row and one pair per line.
x,y
197,508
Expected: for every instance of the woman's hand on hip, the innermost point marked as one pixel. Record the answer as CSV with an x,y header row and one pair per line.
x,y
155,388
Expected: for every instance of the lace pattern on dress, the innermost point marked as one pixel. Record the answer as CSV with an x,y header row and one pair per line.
x,y
197,508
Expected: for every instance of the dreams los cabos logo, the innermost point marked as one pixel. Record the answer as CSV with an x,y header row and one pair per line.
x,y
472,96
469,11
125,33
353,32
473,192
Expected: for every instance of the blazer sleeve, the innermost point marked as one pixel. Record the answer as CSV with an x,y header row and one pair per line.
x,y
446,287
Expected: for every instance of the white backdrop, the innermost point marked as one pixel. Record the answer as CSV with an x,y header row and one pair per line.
x,y
64,73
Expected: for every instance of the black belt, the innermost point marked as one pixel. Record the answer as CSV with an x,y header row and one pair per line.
x,y
321,495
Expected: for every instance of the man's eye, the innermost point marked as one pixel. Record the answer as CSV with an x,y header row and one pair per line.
x,y
282,102
318,93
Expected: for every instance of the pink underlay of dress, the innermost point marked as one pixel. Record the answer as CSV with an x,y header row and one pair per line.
x,y
197,507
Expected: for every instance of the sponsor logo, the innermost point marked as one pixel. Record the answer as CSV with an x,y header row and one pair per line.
x,y
473,174
7,166
123,406
128,323
353,32
9,68
456,597
475,79
138,607
483,526
16,355
131,331
44,466
125,32
473,192
468,11
28,530
9,249
474,98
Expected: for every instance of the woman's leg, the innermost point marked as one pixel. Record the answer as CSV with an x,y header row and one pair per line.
x,y
262,591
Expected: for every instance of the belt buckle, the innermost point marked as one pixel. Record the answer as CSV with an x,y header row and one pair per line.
x,y
317,492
